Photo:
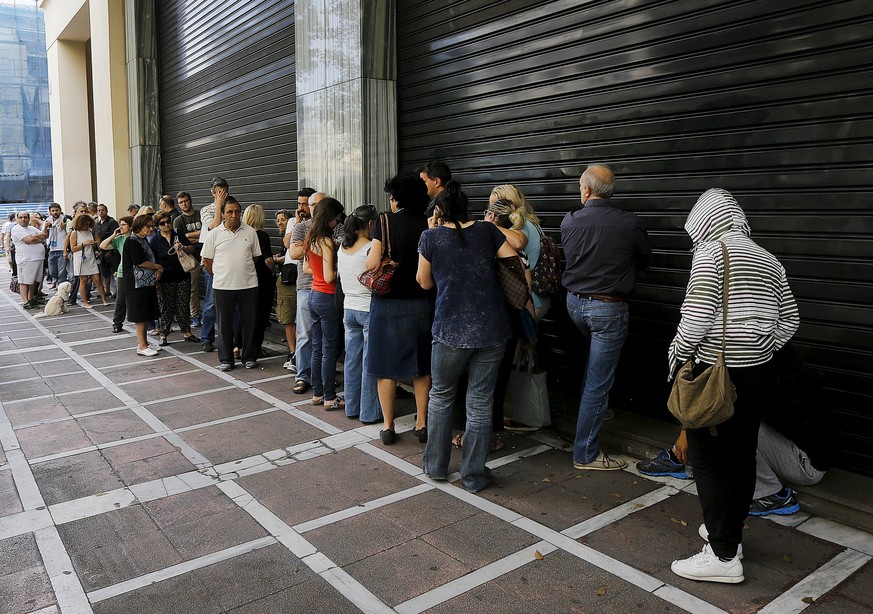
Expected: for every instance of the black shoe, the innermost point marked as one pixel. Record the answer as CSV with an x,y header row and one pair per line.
x,y
376,421
163,342
207,346
421,434
388,436
117,328
192,339
782,503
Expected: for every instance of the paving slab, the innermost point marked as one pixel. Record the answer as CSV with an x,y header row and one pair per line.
x,y
558,583
249,436
113,426
851,595
17,372
314,595
253,576
73,477
776,557
24,583
184,593
56,367
126,372
206,407
546,488
163,387
202,521
9,501
146,460
52,438
303,491
360,537
116,546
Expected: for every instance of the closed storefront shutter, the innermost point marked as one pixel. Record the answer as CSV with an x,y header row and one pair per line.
x,y
227,100
769,99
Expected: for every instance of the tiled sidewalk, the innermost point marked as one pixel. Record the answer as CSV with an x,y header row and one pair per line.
x,y
156,485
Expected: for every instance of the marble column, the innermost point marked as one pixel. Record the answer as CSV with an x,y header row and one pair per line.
x,y
143,113
346,98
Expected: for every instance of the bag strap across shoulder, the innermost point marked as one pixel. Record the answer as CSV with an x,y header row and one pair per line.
x,y
386,235
724,296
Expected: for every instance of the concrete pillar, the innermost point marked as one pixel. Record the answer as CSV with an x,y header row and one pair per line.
x,y
68,102
111,129
346,98
142,88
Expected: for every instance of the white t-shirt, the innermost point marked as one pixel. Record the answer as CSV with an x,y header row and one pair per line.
x,y
349,266
233,257
27,252
207,214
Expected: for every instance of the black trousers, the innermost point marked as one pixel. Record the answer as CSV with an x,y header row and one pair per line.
x,y
226,302
120,303
724,462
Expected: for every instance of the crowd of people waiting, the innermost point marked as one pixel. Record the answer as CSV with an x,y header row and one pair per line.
x,y
441,319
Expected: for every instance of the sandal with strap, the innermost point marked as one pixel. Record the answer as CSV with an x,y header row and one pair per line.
x,y
458,441
300,387
317,401
335,404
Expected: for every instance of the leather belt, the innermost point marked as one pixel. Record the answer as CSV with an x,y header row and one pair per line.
x,y
606,298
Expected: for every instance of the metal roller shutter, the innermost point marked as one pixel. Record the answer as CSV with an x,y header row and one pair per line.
x,y
769,99
227,100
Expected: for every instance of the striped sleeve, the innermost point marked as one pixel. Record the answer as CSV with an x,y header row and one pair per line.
x,y
702,300
789,315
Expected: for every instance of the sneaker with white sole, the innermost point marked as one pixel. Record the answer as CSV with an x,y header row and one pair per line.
x,y
705,566
701,530
149,351
601,463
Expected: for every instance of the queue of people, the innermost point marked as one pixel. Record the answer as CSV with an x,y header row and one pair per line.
x,y
413,294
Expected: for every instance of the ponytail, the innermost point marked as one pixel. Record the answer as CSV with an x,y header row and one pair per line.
x,y
454,206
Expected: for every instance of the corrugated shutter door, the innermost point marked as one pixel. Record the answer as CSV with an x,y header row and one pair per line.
x,y
768,99
227,100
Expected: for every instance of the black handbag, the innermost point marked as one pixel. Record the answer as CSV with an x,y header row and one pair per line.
x,y
288,273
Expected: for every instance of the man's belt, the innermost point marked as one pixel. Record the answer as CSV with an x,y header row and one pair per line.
x,y
606,298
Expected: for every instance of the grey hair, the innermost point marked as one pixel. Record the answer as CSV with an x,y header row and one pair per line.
x,y
604,189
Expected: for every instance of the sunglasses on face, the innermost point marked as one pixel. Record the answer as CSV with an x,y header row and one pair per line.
x,y
164,223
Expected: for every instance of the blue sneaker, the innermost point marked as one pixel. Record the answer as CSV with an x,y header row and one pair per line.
x,y
195,322
664,464
782,503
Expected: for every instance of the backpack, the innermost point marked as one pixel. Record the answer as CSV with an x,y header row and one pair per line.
x,y
546,275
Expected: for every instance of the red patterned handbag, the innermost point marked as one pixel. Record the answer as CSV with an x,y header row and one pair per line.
x,y
379,281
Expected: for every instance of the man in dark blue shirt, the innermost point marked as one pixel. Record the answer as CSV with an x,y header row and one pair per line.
x,y
604,247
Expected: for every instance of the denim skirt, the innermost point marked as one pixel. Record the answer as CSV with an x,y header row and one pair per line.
x,y
400,338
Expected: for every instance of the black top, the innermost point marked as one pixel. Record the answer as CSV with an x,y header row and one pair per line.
x,y
405,229
173,271
265,275
135,252
105,229
604,247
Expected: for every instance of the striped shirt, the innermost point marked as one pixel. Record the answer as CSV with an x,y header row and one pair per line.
x,y
762,313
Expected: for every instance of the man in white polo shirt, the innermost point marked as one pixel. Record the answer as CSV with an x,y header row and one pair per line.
x,y
229,253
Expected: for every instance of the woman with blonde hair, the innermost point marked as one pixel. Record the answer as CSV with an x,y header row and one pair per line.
x,y
254,217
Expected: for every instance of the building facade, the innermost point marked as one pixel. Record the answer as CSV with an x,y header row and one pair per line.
x,y
25,139
768,99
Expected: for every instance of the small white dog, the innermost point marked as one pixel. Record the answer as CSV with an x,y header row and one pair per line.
x,y
58,303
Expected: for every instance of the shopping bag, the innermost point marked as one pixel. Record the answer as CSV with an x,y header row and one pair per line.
x,y
527,393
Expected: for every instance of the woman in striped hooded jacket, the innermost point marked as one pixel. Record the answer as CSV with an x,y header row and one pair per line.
x,y
762,317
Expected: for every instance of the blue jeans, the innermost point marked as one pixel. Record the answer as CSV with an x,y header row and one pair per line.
x,y
362,397
447,364
207,321
604,324
325,344
57,268
304,342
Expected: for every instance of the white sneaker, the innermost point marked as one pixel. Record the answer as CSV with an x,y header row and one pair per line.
x,y
289,364
154,333
156,348
149,351
706,567
705,535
